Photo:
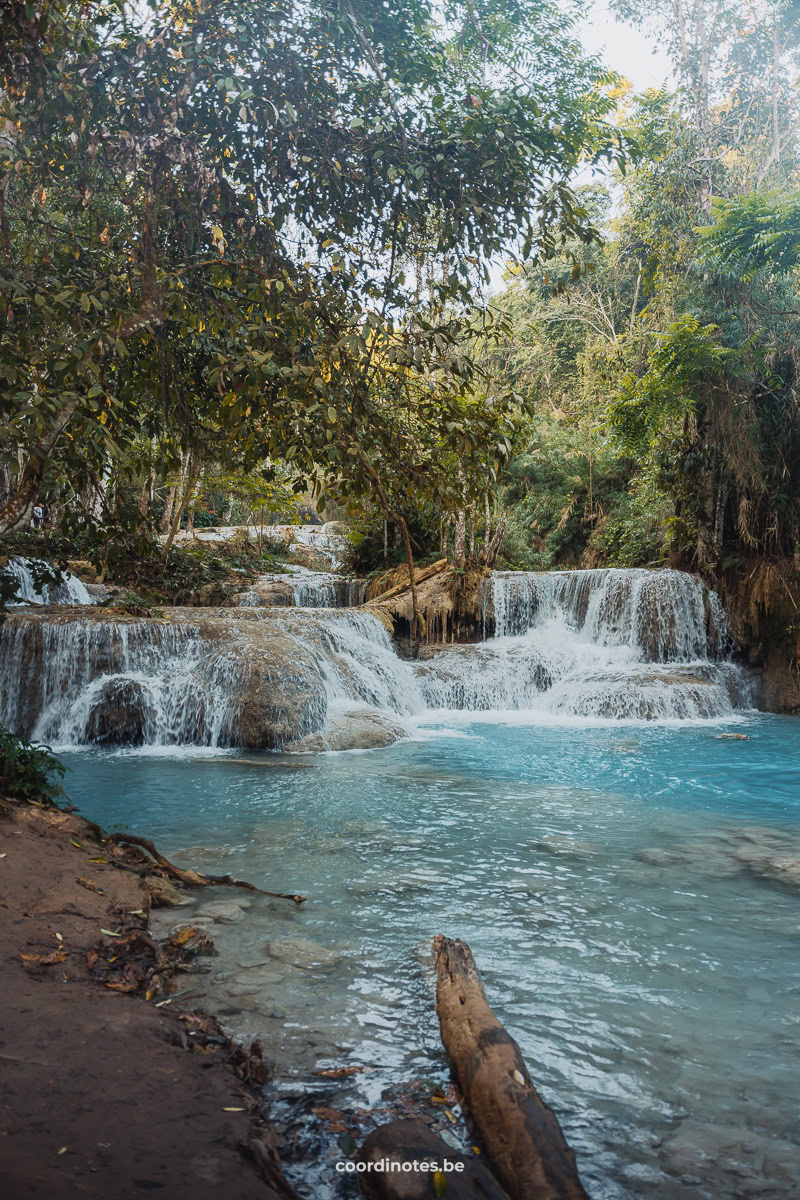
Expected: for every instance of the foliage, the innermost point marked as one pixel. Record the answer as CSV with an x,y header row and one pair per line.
x,y
759,231
28,772
205,211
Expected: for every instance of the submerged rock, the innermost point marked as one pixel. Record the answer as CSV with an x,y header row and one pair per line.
x,y
221,911
735,1162
362,729
302,952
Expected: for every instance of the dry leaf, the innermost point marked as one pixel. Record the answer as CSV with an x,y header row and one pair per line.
x,y
90,884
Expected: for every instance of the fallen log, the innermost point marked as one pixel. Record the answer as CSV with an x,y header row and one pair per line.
x,y
419,577
521,1134
191,877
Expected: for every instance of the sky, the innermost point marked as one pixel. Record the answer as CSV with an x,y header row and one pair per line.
x,y
624,49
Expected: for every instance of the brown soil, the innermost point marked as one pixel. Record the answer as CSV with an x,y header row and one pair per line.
x,y
101,1093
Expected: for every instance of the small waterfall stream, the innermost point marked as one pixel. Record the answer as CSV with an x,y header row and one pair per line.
x,y
70,591
608,644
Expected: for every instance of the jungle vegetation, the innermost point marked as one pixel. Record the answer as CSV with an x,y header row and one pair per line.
x,y
249,263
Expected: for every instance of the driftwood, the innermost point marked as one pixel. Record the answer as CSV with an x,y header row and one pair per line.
x,y
191,877
419,577
460,1176
521,1134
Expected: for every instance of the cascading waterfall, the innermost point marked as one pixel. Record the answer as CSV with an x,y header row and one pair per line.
x,y
79,682
663,616
576,645
70,591
304,588
322,590
610,643
356,660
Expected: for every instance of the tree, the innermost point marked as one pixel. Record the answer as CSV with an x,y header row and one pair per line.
x,y
206,206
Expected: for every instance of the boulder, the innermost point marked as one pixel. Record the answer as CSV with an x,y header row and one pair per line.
x,y
164,894
361,729
121,714
385,1172
221,911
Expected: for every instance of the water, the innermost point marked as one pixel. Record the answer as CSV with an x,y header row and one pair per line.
x,y
610,645
612,880
70,591
304,588
320,540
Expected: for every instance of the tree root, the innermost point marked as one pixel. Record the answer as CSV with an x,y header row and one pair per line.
x,y
191,877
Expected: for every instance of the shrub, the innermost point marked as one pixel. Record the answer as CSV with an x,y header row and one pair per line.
x,y
27,771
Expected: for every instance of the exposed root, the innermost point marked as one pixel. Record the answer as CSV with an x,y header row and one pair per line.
x,y
191,877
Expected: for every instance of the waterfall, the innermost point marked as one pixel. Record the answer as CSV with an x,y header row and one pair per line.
x,y
70,591
663,616
323,590
356,659
576,645
613,644
85,681
304,588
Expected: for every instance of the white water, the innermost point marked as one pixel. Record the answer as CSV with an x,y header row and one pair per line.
x,y
70,591
80,682
322,540
356,659
609,644
305,588
591,646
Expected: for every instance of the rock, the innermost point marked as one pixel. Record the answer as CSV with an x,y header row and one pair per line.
x,y
162,893
732,737
122,714
783,868
735,1162
656,858
403,1142
221,911
253,983
302,952
361,729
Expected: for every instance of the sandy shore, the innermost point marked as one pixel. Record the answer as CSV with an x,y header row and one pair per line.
x,y
103,1093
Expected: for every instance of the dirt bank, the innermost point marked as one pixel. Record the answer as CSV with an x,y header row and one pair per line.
x,y
103,1093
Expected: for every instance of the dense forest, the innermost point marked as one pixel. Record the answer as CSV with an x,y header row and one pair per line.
x,y
251,261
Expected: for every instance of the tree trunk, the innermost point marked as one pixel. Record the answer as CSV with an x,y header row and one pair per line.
x,y
460,538
17,510
166,516
471,529
493,548
522,1135
416,619
191,480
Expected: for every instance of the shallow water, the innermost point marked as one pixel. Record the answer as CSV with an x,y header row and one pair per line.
x,y
654,996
